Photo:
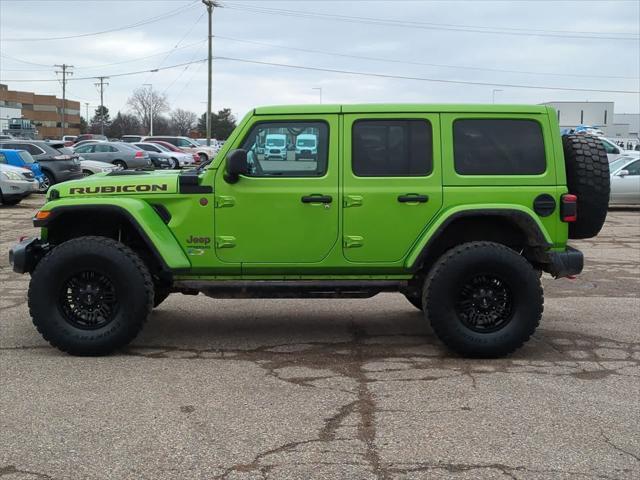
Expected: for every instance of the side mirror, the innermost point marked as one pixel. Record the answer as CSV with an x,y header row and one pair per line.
x,y
622,173
236,165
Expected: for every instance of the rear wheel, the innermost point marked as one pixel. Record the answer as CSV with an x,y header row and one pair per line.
x,y
90,296
86,173
120,163
483,299
47,181
415,300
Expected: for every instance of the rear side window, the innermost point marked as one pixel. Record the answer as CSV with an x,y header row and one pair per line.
x,y
498,147
32,149
391,148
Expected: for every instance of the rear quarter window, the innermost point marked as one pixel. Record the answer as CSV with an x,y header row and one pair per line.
x,y
498,147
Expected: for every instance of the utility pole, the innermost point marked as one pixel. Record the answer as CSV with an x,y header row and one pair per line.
x,y
210,4
319,91
86,115
64,67
101,84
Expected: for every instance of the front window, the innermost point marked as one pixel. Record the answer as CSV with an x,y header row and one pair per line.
x,y
271,152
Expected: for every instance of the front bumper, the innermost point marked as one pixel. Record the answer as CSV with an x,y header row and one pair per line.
x,y
24,256
565,264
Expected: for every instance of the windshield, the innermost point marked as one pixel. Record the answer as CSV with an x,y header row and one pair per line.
x,y
162,148
616,164
304,142
26,157
275,142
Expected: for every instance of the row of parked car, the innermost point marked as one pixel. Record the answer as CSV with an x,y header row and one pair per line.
x,y
28,166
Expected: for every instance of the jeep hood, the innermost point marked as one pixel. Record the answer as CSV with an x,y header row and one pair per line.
x,y
125,182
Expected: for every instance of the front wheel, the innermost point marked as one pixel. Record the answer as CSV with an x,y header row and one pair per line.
x,y
203,157
174,164
90,296
483,299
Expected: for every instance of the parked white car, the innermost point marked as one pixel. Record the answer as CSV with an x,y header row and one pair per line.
x,y
625,179
89,167
613,151
16,183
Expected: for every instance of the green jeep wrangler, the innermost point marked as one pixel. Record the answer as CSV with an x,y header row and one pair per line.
x,y
460,208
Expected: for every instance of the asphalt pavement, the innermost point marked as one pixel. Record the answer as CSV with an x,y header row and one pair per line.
x,y
330,389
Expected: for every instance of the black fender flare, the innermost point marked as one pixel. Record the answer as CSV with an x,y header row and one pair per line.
x,y
524,222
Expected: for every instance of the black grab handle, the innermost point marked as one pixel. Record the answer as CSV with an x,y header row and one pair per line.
x,y
413,197
317,199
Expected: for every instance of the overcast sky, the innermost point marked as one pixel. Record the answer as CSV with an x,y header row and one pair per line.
x,y
579,45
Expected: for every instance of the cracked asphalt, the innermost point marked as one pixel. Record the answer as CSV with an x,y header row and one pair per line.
x,y
330,389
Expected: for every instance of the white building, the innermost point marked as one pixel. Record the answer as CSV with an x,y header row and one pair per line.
x,y
598,114
6,113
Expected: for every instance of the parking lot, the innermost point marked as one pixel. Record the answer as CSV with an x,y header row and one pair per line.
x,y
353,389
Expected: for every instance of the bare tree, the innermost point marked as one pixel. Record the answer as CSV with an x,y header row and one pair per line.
x,y
183,121
145,102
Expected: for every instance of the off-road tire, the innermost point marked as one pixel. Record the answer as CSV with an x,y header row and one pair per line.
x,y
160,295
462,265
132,289
415,300
587,177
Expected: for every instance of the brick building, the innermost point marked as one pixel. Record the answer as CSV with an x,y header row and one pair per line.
x,y
44,112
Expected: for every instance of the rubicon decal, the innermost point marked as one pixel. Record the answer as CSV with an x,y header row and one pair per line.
x,y
118,189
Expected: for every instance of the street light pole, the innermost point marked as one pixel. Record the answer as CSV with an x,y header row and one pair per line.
x,y
493,94
210,4
319,91
150,85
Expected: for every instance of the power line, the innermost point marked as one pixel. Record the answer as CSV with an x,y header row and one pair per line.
x,y
352,72
436,26
408,62
24,61
157,18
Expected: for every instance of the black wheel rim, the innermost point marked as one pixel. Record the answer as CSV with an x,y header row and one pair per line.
x,y
485,304
88,300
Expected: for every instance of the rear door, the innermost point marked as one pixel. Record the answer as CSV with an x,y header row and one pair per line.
x,y
392,180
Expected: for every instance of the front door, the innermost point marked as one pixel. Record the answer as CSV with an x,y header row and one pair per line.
x,y
392,183
286,210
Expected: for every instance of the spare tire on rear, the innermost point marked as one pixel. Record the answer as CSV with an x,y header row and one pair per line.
x,y
587,177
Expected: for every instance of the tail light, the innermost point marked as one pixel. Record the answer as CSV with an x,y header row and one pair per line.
x,y
139,154
569,207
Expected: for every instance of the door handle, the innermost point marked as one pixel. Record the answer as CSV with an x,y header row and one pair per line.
x,y
413,198
316,198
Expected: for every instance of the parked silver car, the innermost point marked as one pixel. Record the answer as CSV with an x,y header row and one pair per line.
x,y
177,159
625,179
118,153
16,183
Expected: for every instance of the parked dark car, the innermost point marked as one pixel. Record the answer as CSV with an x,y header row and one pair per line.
x,y
57,162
